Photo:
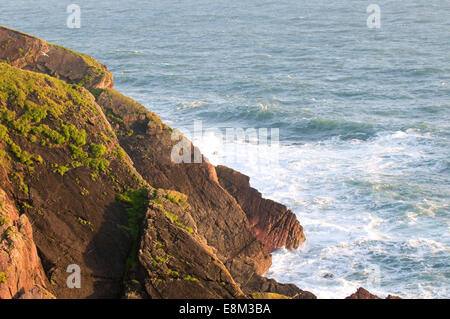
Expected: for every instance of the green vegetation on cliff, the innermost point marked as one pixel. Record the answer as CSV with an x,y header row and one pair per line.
x,y
61,159
50,113
61,156
3,278
136,203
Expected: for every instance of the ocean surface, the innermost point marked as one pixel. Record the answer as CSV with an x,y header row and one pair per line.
x,y
363,117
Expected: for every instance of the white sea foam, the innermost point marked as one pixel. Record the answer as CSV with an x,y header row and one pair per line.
x,y
412,217
429,244
371,229
191,104
346,194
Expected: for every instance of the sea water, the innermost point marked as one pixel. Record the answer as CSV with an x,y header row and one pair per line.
x,y
363,117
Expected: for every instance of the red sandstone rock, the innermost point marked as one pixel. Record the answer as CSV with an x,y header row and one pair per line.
x,y
29,53
362,293
88,230
20,266
272,223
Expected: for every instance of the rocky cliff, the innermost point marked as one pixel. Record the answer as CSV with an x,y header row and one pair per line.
x,y
21,270
91,170
30,53
272,223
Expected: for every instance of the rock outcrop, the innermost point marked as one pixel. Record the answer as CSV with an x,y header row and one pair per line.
x,y
216,214
21,273
29,53
177,262
362,293
93,172
64,167
272,223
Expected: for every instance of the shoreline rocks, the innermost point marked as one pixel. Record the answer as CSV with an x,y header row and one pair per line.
x,y
362,293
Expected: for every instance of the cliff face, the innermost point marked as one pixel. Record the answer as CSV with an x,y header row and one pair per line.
x,y
215,214
273,224
64,168
92,171
176,262
21,267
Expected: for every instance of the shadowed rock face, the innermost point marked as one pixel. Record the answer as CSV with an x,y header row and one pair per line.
x,y
273,224
67,191
178,263
202,246
215,214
